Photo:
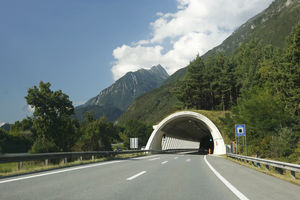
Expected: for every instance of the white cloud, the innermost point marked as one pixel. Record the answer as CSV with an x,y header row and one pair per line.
x,y
176,38
30,109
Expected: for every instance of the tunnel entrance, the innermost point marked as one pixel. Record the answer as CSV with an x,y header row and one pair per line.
x,y
186,129
206,145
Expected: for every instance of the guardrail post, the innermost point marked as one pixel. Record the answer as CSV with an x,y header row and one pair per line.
x,y
46,162
93,157
258,165
268,167
80,158
293,174
20,165
65,160
279,170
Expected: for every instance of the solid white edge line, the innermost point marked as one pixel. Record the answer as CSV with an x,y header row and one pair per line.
x,y
60,171
134,176
229,185
145,157
154,159
164,162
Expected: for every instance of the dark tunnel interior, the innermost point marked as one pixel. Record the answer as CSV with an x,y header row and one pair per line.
x,y
189,128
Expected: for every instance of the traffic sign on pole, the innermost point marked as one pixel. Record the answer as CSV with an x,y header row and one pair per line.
x,y
240,129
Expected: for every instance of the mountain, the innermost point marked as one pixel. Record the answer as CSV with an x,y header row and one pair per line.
x,y
271,26
5,126
114,100
156,104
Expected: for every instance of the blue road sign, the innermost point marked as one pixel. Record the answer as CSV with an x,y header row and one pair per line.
x,y
240,129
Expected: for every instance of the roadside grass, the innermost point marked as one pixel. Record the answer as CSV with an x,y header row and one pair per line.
x,y
118,146
11,169
286,175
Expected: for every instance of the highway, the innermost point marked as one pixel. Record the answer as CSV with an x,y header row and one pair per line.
x,y
164,177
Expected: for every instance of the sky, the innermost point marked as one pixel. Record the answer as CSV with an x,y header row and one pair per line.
x,y
82,47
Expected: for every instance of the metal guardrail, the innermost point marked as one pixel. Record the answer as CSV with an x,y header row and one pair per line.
x,y
20,158
279,166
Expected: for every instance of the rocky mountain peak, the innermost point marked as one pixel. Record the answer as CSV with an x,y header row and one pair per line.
x,y
122,93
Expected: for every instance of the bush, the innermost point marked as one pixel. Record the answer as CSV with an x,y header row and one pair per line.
x,y
13,144
284,144
42,145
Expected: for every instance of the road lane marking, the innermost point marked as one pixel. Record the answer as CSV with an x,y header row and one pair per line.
x,y
175,158
61,171
134,176
164,162
229,185
187,152
145,157
188,160
154,159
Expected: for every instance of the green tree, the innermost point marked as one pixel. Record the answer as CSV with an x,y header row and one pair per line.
x,y
284,144
51,116
97,134
248,63
263,114
13,143
290,70
136,129
24,129
190,90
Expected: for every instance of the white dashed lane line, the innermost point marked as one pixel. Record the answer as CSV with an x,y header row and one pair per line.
x,y
188,160
135,176
164,162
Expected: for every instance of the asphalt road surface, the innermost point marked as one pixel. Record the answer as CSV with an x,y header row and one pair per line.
x,y
163,177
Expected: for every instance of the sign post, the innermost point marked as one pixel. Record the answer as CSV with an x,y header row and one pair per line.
x,y
240,130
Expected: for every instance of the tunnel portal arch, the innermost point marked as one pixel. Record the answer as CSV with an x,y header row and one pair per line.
x,y
190,126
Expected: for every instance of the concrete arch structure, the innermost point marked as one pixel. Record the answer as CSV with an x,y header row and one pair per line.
x,y
188,126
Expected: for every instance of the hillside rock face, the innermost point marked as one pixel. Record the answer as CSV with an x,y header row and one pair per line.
x,y
114,100
271,26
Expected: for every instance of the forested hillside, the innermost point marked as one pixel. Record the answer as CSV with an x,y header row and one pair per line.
x,y
261,85
271,26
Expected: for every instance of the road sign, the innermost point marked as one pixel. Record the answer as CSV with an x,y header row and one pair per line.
x,y
240,129
133,143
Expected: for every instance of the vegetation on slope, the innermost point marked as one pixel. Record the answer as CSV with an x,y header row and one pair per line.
x,y
261,84
269,27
